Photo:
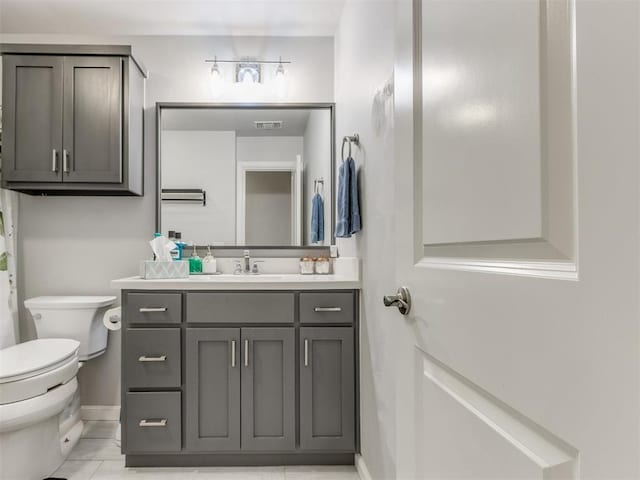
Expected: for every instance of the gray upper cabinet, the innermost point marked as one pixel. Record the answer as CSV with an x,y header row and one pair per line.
x,y
73,120
327,392
213,389
268,389
32,104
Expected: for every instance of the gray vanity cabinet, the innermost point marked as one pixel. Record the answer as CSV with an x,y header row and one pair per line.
x,y
213,389
327,388
268,389
73,119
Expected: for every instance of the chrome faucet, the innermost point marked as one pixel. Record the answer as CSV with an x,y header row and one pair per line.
x,y
247,261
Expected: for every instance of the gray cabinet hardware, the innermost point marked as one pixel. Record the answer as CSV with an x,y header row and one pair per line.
x,y
155,422
327,309
54,160
152,358
306,352
233,353
65,161
246,353
152,309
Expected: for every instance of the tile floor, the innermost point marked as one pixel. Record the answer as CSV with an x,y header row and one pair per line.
x,y
96,457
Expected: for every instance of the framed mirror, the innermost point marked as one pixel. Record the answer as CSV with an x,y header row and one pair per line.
x,y
254,176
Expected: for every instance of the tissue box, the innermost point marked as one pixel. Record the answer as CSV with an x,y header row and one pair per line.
x,y
150,269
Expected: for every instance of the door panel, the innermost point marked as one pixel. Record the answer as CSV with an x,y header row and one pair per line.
x,y
268,389
93,119
502,361
32,135
327,396
213,389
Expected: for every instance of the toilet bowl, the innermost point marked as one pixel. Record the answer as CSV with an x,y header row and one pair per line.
x,y
39,407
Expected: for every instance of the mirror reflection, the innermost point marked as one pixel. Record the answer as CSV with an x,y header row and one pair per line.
x,y
247,176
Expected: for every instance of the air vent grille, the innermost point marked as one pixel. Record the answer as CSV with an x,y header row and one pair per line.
x,y
268,124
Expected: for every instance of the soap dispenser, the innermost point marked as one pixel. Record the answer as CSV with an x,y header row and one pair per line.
x,y
209,263
195,262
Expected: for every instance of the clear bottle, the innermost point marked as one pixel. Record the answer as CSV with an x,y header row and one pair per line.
x,y
209,264
195,262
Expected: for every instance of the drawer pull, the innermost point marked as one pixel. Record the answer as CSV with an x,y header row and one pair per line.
x,y
327,309
152,309
246,353
233,353
156,358
154,422
306,352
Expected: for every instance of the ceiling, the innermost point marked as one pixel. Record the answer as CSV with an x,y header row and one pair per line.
x,y
238,120
171,17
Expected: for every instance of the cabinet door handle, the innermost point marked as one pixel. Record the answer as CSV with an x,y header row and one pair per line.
x,y
152,358
306,352
233,353
65,161
153,422
54,160
327,309
246,353
152,309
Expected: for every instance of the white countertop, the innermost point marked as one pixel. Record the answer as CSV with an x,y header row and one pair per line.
x,y
346,276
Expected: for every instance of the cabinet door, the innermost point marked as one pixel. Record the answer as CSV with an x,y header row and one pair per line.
x,y
268,389
32,137
93,105
327,388
212,389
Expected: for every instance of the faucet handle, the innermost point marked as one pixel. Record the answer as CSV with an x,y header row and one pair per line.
x,y
255,268
238,268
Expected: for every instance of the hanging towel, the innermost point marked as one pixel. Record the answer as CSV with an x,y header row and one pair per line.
x,y
348,221
317,219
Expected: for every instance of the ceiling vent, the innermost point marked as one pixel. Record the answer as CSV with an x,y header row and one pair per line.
x,y
268,124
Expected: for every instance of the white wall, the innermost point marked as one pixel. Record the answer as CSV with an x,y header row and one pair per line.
x,y
76,245
317,164
364,62
206,160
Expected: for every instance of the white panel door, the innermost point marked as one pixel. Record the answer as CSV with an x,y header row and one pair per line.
x,y
517,217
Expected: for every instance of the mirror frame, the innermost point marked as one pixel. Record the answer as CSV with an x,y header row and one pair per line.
x,y
249,106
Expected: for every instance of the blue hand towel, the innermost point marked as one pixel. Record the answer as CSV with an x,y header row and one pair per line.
x,y
317,219
348,221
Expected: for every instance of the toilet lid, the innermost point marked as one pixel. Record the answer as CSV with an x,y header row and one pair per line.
x,y
35,357
70,302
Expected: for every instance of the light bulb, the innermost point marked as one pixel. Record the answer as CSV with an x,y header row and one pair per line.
x,y
281,83
217,82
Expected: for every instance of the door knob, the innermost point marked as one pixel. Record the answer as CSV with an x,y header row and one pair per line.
x,y
402,300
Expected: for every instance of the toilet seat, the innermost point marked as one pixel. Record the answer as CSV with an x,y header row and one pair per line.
x,y
32,368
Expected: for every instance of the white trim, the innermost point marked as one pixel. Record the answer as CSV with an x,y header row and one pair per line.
x,y
362,469
549,269
100,412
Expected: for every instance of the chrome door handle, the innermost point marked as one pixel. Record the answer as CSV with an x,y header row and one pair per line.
x,y
152,358
153,422
402,300
327,309
246,353
233,353
54,160
306,352
152,309
65,161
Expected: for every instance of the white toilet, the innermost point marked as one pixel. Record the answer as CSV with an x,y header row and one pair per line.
x,y
39,400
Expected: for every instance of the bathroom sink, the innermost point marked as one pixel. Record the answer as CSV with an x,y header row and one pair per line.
x,y
230,277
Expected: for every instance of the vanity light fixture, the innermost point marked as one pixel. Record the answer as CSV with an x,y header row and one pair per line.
x,y
250,71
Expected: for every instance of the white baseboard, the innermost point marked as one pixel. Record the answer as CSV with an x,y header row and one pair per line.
x,y
362,469
100,412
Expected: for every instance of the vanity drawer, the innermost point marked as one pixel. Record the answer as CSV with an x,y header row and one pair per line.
x,y
327,307
153,308
152,357
153,422
240,307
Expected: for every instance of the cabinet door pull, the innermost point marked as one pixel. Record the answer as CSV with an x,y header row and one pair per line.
x,y
233,353
65,161
153,422
54,160
306,352
152,309
152,358
327,309
246,353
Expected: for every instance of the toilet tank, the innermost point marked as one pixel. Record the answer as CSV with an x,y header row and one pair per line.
x,y
75,317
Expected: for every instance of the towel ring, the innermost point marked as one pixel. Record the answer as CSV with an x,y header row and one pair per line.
x,y
355,138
